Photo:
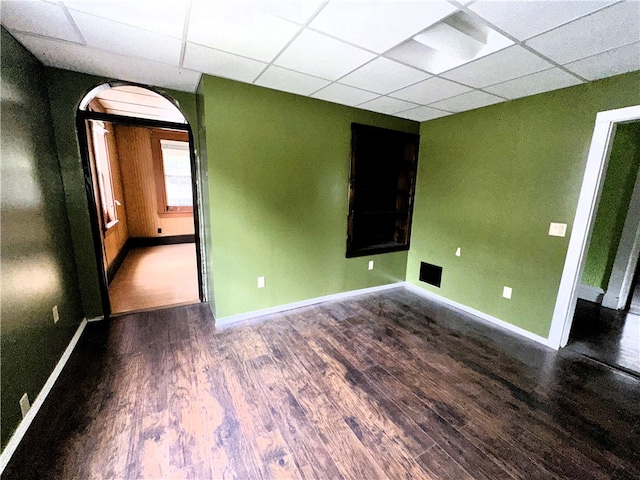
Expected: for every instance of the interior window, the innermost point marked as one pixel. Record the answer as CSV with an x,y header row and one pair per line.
x,y
381,188
103,167
172,164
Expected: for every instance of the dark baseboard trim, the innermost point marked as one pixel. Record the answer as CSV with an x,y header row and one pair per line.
x,y
117,262
155,241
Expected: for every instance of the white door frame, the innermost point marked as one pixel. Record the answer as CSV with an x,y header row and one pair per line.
x,y
583,221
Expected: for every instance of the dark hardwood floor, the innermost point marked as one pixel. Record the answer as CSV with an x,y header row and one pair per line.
x,y
608,336
378,386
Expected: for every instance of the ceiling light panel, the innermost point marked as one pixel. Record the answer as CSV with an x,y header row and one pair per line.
x,y
536,83
526,19
506,64
387,105
344,95
430,90
38,17
612,27
221,64
289,81
78,58
166,17
613,62
383,76
456,40
322,56
468,101
295,11
126,40
378,26
422,114
237,28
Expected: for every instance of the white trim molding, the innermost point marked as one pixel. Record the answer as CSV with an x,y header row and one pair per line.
x,y
589,293
304,303
481,315
24,424
588,199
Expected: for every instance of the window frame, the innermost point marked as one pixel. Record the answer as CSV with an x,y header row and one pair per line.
x,y
102,162
157,135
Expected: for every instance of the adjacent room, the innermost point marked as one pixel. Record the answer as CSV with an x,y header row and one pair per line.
x,y
320,239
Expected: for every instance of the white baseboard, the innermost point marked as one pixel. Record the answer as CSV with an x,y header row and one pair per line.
x,y
591,294
17,436
304,303
95,319
482,315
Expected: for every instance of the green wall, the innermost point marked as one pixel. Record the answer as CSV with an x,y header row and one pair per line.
x,y
278,180
490,181
66,91
38,269
614,204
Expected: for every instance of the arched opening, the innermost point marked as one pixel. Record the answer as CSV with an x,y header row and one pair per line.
x,y
140,172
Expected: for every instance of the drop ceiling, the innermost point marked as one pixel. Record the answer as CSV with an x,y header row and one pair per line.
x,y
413,59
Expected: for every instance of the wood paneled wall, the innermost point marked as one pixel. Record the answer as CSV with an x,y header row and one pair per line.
x,y
117,235
136,164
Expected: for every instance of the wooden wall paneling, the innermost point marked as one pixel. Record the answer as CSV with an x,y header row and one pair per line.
x,y
136,164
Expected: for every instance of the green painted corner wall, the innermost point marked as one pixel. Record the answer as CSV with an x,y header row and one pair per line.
x,y
613,206
66,91
278,182
38,268
490,181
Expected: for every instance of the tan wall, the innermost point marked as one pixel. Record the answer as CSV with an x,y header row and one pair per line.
x,y
117,235
136,163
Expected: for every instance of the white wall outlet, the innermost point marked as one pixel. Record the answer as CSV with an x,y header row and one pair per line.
x,y
558,229
370,264
24,404
458,252
506,292
261,282
56,315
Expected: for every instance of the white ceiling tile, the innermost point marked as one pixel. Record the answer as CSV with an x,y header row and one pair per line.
x,y
431,90
387,105
383,76
614,62
166,17
322,56
344,95
612,27
97,62
38,17
467,101
126,40
524,19
504,65
221,64
296,11
237,28
290,81
531,84
422,114
379,25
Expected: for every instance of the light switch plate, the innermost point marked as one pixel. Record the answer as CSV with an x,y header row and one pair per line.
x,y
506,292
261,282
24,404
56,315
558,229
458,252
370,264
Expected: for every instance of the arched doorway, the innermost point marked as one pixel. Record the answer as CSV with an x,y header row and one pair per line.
x,y
140,174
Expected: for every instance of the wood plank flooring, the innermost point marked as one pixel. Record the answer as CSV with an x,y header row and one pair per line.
x,y
381,386
153,277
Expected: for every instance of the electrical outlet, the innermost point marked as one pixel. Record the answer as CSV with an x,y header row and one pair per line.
x,y
458,252
506,292
56,315
261,282
557,229
24,404
159,230
370,264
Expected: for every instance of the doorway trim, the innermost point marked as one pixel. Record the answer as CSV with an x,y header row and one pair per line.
x,y
597,162
81,117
